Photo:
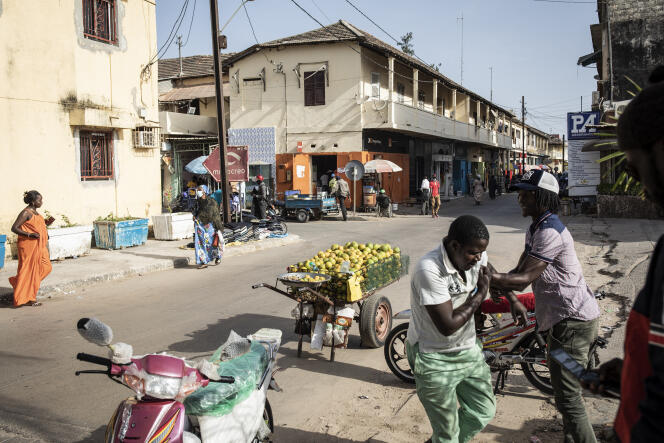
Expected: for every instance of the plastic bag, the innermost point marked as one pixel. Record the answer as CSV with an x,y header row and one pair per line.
x,y
219,398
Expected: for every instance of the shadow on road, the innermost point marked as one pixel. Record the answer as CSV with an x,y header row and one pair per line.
x,y
96,436
291,435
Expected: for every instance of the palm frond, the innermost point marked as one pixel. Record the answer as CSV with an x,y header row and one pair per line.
x,y
610,156
638,88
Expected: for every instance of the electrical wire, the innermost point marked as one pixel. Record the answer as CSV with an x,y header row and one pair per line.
x,y
253,31
174,30
321,11
193,13
379,27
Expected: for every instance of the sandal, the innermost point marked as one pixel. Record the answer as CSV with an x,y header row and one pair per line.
x,y
203,266
33,303
216,261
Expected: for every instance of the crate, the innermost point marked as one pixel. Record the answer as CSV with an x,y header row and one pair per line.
x,y
3,241
120,234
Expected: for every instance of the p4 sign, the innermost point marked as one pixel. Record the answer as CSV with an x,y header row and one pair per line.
x,y
580,125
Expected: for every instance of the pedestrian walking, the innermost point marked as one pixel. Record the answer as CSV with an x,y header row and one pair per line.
x,y
340,189
34,263
641,374
565,306
478,190
493,185
208,237
260,199
434,186
452,380
425,195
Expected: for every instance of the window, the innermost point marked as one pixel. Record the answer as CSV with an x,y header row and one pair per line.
x,y
401,92
420,99
314,88
99,20
375,86
252,94
96,155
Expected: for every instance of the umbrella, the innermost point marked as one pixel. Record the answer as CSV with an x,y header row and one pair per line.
x,y
380,166
196,165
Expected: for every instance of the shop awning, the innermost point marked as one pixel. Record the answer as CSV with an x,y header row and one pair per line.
x,y
192,92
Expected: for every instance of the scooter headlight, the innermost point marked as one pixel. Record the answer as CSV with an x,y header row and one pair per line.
x,y
158,386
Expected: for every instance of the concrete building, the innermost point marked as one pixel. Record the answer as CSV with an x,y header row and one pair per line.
x,y
628,41
188,116
536,152
328,96
78,108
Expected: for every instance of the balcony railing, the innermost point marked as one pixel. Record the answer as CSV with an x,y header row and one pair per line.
x,y
385,115
187,124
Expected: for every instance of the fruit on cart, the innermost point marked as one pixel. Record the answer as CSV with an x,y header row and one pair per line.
x,y
373,265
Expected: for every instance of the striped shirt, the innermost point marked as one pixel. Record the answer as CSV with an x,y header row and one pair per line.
x,y
560,291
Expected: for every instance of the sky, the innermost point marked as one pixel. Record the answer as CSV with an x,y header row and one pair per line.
x,y
531,45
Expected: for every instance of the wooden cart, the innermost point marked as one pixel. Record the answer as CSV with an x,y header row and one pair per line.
x,y
374,317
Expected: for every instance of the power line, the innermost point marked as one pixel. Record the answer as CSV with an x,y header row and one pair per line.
x,y
379,27
193,13
321,11
173,33
253,31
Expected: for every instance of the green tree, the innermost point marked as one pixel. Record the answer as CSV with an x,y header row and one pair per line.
x,y
406,44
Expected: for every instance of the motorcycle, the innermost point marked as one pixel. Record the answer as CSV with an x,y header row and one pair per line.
x,y
504,345
225,408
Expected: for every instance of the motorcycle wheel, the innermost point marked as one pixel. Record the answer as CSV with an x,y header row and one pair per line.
x,y
537,373
395,353
267,416
284,227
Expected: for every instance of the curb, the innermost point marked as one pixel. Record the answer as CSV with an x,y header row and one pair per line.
x,y
70,287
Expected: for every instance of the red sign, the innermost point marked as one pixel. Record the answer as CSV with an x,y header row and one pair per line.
x,y
237,164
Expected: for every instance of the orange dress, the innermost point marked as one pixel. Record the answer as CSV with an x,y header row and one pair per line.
x,y
33,261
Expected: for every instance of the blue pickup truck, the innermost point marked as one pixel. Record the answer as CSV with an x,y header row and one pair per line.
x,y
302,207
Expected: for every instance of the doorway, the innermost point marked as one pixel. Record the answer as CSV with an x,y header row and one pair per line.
x,y
322,165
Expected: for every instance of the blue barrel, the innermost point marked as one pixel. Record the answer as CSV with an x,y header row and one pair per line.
x,y
121,234
3,240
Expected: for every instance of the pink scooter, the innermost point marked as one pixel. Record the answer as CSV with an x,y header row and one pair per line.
x,y
162,382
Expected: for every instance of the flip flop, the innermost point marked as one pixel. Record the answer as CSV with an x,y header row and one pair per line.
x,y
33,303
202,266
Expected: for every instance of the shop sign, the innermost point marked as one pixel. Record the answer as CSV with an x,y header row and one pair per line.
x,y
237,164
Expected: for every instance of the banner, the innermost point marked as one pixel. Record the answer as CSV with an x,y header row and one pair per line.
x,y
237,164
583,172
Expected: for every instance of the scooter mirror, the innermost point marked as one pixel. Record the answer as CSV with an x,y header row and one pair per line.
x,y
95,331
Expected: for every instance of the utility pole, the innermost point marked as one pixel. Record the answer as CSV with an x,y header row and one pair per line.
x,y
563,166
461,18
221,122
491,96
180,53
523,135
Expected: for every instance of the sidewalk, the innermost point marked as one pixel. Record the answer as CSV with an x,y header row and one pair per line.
x,y
101,265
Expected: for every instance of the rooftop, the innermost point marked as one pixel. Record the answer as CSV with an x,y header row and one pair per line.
x,y
192,66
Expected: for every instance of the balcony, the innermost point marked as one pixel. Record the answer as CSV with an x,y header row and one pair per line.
x,y
175,123
381,114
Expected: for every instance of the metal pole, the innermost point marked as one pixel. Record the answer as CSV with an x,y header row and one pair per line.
x,y
581,103
221,122
180,53
563,167
491,96
523,135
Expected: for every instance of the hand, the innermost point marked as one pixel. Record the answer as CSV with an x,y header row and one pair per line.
x,y
519,313
483,282
609,373
49,221
33,235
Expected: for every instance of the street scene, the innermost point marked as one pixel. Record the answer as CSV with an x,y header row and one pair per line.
x,y
337,229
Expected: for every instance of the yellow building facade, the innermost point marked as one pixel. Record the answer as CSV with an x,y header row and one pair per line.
x,y
79,108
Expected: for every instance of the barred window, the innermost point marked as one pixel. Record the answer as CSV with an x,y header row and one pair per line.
x,y
314,88
99,20
96,155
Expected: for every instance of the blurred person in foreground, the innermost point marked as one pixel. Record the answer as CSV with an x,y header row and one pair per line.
x,y
640,375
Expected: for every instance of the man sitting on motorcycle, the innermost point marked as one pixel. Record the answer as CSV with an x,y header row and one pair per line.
x,y
447,287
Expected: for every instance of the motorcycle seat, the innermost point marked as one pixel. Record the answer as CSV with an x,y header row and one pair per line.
x,y
503,306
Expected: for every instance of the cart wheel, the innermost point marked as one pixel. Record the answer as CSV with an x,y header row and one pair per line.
x,y
375,321
318,214
302,216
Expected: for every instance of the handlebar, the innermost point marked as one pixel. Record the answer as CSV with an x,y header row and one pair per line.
x,y
94,359
226,379
258,285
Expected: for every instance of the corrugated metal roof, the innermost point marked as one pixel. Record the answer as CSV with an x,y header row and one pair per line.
x,y
192,92
192,66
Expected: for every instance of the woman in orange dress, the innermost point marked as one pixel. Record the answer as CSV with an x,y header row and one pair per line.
x,y
33,260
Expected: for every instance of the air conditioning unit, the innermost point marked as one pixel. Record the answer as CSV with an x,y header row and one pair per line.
x,y
146,137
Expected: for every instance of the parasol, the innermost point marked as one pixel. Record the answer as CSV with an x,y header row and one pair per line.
x,y
380,166
196,166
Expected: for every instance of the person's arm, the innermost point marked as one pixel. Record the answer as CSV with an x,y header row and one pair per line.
x,y
449,320
523,276
519,311
23,217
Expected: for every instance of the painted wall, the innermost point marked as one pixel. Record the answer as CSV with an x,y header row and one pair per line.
x,y
53,82
337,122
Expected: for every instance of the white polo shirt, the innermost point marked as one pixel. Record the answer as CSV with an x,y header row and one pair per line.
x,y
425,184
435,281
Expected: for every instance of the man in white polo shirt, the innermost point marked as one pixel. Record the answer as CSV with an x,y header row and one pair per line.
x,y
448,285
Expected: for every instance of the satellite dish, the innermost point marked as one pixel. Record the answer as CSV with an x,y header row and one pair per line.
x,y
354,170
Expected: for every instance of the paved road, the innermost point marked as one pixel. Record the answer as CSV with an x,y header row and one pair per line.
x,y
190,312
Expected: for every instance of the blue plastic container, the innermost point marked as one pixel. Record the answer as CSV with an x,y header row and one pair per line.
x,y
3,240
122,234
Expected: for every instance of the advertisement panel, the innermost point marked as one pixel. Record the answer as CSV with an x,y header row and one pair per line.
x,y
237,164
584,171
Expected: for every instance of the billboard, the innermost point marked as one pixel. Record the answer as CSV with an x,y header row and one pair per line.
x,y
237,164
583,171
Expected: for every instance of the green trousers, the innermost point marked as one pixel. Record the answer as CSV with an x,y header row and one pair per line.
x,y
442,380
575,338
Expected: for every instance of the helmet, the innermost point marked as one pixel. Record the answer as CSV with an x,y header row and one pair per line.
x,y
333,175
259,178
382,191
